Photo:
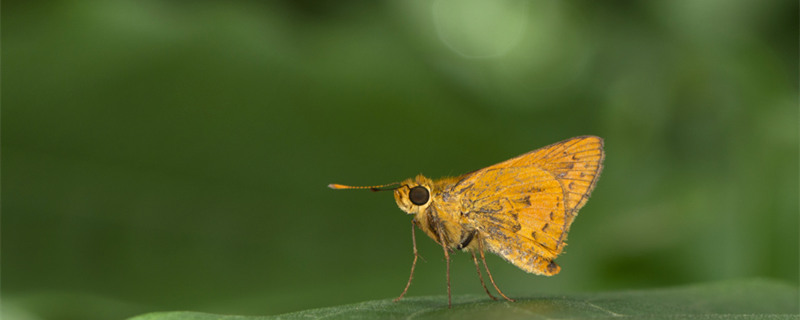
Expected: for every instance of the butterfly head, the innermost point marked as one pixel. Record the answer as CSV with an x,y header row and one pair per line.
x,y
414,195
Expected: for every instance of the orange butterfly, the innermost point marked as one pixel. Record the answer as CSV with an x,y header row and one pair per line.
x,y
521,209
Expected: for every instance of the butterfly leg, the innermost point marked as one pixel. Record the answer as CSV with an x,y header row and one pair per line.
x,y
483,258
480,276
447,260
413,264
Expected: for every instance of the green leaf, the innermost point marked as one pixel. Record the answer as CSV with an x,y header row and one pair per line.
x,y
748,299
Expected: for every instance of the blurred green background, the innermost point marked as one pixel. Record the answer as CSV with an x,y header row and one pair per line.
x,y
174,155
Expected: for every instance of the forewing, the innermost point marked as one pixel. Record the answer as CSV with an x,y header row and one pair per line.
x,y
524,206
576,163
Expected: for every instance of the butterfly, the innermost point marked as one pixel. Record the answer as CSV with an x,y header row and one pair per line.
x,y
520,209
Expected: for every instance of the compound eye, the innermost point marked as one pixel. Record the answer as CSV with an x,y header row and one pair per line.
x,y
419,195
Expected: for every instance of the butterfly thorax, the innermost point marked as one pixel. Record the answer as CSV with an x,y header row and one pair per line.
x,y
442,216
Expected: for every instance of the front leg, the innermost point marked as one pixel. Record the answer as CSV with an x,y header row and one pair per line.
x,y
414,263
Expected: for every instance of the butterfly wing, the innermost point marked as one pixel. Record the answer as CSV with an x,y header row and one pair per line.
x,y
523,207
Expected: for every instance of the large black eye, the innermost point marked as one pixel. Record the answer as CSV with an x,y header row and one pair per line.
x,y
419,195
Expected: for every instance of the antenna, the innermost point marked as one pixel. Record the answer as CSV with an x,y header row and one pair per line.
x,y
337,186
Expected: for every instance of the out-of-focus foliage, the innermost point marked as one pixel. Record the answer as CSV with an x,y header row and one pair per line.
x,y
162,155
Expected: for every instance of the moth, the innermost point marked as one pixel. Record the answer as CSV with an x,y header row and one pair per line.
x,y
520,209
